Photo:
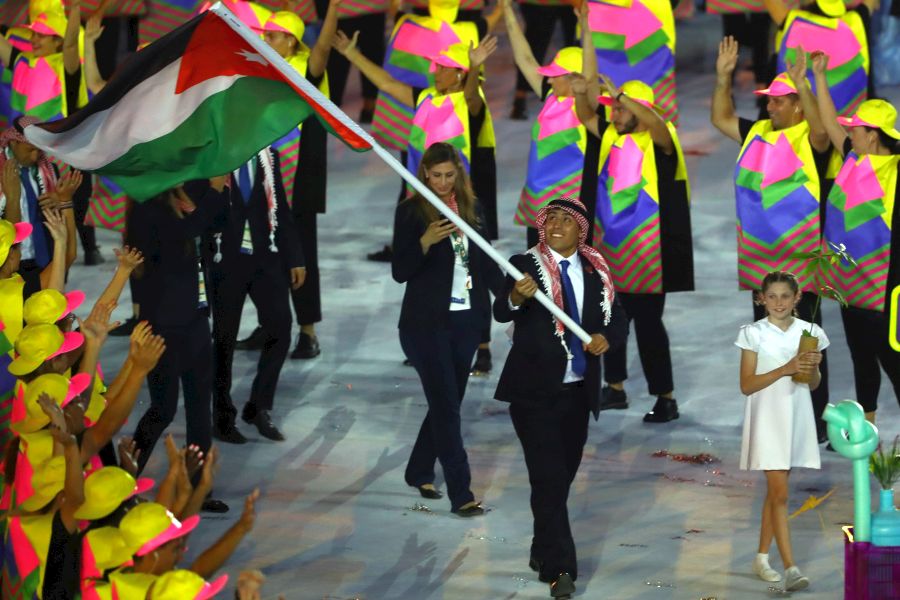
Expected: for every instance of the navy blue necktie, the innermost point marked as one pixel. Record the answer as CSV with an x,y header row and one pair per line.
x,y
38,238
578,359
244,182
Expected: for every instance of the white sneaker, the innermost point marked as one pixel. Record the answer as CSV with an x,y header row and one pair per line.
x,y
762,570
795,580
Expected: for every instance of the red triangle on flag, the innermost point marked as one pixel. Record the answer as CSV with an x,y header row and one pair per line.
x,y
216,50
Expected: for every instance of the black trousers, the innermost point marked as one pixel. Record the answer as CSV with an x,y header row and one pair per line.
x,y
80,202
187,361
370,43
553,435
646,311
539,24
307,299
820,394
867,337
267,284
442,358
752,30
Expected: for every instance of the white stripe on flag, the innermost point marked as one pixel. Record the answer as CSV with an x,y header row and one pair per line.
x,y
148,111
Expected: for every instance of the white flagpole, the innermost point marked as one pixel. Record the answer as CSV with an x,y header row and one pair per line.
x,y
310,90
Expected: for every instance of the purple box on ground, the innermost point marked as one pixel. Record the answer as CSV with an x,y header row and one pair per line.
x,y
870,572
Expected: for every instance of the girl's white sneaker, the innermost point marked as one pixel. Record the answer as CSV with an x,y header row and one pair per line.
x,y
795,580
762,570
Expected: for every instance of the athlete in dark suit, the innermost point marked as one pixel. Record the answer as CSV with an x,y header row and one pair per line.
x,y
551,380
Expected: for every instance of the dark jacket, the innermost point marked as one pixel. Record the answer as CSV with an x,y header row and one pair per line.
x,y
429,277
536,364
231,226
169,284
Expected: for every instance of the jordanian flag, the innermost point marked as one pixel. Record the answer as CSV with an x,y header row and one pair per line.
x,y
197,103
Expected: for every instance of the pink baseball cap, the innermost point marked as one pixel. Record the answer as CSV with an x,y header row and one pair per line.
x,y
148,526
638,91
455,56
567,61
780,86
39,343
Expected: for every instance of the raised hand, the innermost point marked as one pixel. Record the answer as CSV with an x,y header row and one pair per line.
x,y
92,28
139,335
210,467
55,222
67,184
343,44
249,584
97,326
608,86
819,62
797,70
248,517
146,356
478,55
129,258
129,455
11,182
193,459
728,57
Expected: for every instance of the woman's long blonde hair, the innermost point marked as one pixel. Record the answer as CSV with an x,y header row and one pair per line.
x,y
436,154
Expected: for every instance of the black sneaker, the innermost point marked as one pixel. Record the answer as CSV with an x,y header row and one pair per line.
x,y
125,328
613,399
519,110
483,362
307,347
665,410
254,341
386,254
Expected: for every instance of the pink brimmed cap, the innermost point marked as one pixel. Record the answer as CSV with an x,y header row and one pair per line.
x,y
780,86
39,343
11,234
638,91
49,306
49,24
148,526
566,62
455,56
875,114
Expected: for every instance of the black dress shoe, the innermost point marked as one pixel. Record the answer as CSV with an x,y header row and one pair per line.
x,y
613,399
407,362
386,254
266,428
307,347
125,328
475,510
665,410
211,505
823,437
365,115
93,257
563,587
430,493
536,565
483,363
254,341
228,434
519,110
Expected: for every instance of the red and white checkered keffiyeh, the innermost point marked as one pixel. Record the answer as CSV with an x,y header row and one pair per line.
x,y
549,268
46,175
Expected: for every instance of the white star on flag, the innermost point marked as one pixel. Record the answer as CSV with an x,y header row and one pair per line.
x,y
253,57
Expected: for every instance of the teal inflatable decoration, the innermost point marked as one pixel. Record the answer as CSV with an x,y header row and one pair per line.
x,y
855,438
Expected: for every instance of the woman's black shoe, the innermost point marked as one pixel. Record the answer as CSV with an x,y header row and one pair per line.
x,y
254,341
430,493
475,510
483,362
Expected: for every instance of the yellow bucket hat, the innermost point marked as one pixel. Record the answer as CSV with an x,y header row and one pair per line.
x,y
455,56
105,489
286,22
103,548
148,526
182,584
131,586
10,235
49,306
39,343
27,415
566,61
876,114
49,23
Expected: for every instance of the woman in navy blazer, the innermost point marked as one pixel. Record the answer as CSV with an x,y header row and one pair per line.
x,y
445,309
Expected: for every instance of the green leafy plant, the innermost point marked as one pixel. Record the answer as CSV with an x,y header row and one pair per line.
x,y
885,466
819,265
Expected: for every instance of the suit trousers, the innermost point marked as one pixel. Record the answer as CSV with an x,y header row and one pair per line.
x,y
80,203
188,361
820,394
646,310
267,284
539,24
370,43
867,337
307,299
553,434
442,358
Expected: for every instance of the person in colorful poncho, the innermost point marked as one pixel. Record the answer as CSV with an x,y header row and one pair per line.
x,y
778,184
827,26
642,224
562,159
860,215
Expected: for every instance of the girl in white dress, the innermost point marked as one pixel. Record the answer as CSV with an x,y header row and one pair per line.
x,y
779,427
